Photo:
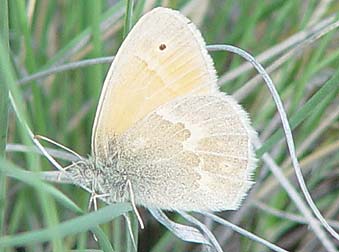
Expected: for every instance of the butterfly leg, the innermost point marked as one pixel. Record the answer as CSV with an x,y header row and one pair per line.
x,y
130,231
131,194
39,137
95,196
64,170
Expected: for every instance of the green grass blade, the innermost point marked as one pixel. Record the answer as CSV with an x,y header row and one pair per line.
x,y
71,227
103,240
33,180
79,39
128,17
3,109
330,88
47,205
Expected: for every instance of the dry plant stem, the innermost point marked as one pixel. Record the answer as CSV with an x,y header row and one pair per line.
x,y
310,245
319,11
106,24
306,163
238,94
242,92
252,60
289,216
65,67
204,229
241,69
75,121
30,11
290,144
196,10
276,50
105,35
185,233
325,27
325,123
294,52
332,209
314,224
244,232
274,123
53,152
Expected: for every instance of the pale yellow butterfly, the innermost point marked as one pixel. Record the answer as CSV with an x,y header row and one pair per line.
x,y
163,127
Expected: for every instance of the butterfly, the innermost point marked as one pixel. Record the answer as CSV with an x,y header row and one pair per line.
x,y
164,136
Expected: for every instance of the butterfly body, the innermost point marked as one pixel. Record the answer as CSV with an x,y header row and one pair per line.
x,y
163,128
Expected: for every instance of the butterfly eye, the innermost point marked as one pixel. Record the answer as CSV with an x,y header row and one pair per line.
x,y
162,47
88,173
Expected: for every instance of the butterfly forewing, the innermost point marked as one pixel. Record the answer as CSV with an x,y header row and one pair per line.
x,y
163,57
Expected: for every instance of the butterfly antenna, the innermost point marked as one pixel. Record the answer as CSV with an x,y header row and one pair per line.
x,y
31,135
58,144
131,194
129,226
93,200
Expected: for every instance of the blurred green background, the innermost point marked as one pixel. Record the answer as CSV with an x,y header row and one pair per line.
x,y
298,40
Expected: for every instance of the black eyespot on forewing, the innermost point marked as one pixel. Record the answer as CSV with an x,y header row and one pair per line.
x,y
162,47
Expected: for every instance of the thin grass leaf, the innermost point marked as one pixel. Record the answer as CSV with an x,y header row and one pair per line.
x,y
186,233
70,227
11,170
128,17
299,202
244,232
329,89
290,216
278,49
55,153
204,229
65,67
138,10
79,41
291,147
4,102
48,207
103,240
280,25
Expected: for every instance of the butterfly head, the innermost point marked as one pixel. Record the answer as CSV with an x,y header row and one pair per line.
x,y
100,178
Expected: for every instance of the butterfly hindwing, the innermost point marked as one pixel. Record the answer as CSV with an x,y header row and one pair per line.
x,y
193,153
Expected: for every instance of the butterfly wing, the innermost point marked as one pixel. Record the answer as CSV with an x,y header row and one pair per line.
x,y
162,57
193,153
